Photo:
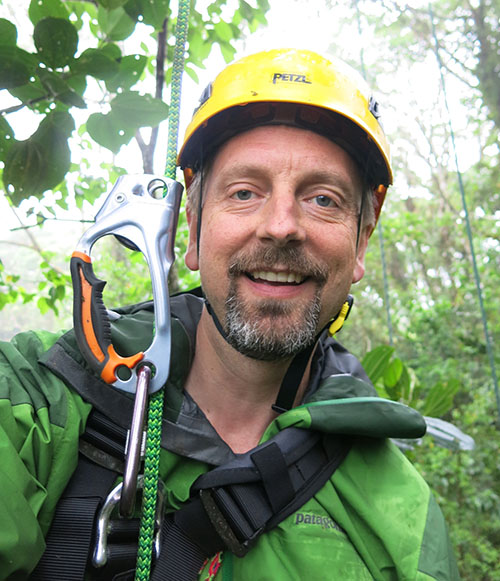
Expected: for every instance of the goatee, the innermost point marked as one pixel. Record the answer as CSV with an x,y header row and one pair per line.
x,y
270,329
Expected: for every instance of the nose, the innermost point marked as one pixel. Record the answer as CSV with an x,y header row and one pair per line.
x,y
281,219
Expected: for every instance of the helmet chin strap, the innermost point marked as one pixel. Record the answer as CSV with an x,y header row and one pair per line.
x,y
295,372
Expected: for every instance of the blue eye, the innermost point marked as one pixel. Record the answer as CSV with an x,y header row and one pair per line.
x,y
323,201
243,195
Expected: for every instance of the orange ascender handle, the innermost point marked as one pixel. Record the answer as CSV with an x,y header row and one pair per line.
x,y
91,322
141,212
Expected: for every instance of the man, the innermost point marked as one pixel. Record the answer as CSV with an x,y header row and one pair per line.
x,y
286,167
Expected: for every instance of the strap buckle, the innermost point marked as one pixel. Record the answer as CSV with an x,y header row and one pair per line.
x,y
224,528
103,525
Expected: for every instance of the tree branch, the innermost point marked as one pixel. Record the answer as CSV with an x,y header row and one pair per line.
x,y
15,108
148,149
34,243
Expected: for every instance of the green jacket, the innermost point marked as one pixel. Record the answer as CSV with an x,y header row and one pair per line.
x,y
374,519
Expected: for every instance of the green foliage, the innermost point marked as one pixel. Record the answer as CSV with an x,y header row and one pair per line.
x,y
441,367
114,129
467,488
16,66
41,162
466,483
53,290
70,51
394,380
10,291
436,322
84,88
56,41
49,294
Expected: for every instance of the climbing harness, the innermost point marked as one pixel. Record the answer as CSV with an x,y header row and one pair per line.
x,y
230,506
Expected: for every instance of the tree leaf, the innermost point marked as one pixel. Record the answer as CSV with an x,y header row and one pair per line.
x,y
129,111
8,33
112,50
60,90
16,67
57,122
440,398
111,4
56,40
199,48
152,13
130,69
227,50
108,131
246,10
405,386
77,83
39,9
97,63
32,94
393,372
24,161
192,73
375,362
6,137
223,31
40,162
135,110
397,381
115,24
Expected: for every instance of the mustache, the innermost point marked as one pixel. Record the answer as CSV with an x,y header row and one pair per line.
x,y
292,258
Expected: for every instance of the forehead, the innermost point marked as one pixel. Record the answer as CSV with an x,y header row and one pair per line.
x,y
281,148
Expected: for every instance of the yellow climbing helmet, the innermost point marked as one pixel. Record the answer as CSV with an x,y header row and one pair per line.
x,y
293,87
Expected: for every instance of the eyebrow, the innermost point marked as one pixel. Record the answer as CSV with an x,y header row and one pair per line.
x,y
326,176
345,182
240,169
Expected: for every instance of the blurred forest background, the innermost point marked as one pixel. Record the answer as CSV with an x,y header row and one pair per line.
x,y
85,91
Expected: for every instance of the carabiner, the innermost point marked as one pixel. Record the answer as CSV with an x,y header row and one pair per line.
x,y
103,525
136,444
138,213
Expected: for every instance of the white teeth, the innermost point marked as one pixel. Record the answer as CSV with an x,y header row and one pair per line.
x,y
286,277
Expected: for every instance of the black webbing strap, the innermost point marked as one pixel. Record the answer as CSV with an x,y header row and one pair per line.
x,y
237,502
181,558
70,536
291,381
70,541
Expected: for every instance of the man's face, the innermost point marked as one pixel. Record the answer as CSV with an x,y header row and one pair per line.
x,y
277,250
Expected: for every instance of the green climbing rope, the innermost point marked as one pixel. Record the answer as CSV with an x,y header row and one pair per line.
x,y
175,100
155,412
150,490
477,279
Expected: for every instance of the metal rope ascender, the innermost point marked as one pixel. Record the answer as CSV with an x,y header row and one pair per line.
x,y
142,212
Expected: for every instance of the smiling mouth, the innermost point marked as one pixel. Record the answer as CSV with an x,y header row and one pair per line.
x,y
276,277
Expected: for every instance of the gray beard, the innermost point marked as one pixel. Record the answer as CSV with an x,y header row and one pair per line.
x,y
279,341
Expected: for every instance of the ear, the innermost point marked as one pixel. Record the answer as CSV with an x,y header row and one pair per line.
x,y
191,257
359,267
